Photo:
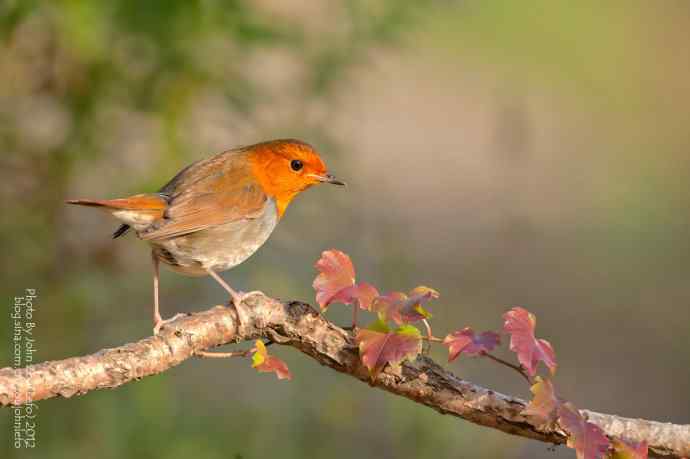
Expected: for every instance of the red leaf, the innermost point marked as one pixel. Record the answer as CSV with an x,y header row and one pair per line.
x,y
336,282
545,403
364,294
587,439
404,309
379,345
265,363
336,273
387,305
520,324
467,342
412,309
626,449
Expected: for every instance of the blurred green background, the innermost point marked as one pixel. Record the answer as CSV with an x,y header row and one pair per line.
x,y
506,153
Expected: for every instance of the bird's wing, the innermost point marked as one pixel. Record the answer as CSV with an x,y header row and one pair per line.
x,y
211,192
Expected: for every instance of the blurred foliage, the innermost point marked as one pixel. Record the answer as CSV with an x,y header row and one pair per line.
x,y
76,66
83,84
502,153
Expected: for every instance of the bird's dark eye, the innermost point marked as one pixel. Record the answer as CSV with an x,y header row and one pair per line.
x,y
296,165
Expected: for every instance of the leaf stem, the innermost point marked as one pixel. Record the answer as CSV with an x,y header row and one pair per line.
x,y
432,339
517,368
428,328
222,355
226,355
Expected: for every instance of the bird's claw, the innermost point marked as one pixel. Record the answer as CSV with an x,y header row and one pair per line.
x,y
239,297
159,323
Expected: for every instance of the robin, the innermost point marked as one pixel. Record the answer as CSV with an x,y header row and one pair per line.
x,y
216,212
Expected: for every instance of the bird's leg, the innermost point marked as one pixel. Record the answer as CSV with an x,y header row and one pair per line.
x,y
237,297
158,321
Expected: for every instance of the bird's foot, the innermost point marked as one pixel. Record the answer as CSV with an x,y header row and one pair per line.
x,y
239,297
158,322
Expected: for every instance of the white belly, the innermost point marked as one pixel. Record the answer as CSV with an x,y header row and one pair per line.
x,y
218,248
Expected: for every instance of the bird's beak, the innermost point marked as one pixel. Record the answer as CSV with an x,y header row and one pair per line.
x,y
328,178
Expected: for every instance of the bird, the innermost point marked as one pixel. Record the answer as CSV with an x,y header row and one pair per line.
x,y
216,212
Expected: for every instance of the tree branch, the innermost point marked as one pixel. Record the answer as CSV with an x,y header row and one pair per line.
x,y
299,325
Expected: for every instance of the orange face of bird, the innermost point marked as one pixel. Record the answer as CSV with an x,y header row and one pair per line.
x,y
287,167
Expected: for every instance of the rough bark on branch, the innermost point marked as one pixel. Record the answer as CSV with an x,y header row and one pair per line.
x,y
299,325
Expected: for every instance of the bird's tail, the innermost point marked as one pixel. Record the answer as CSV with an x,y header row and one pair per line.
x,y
138,211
